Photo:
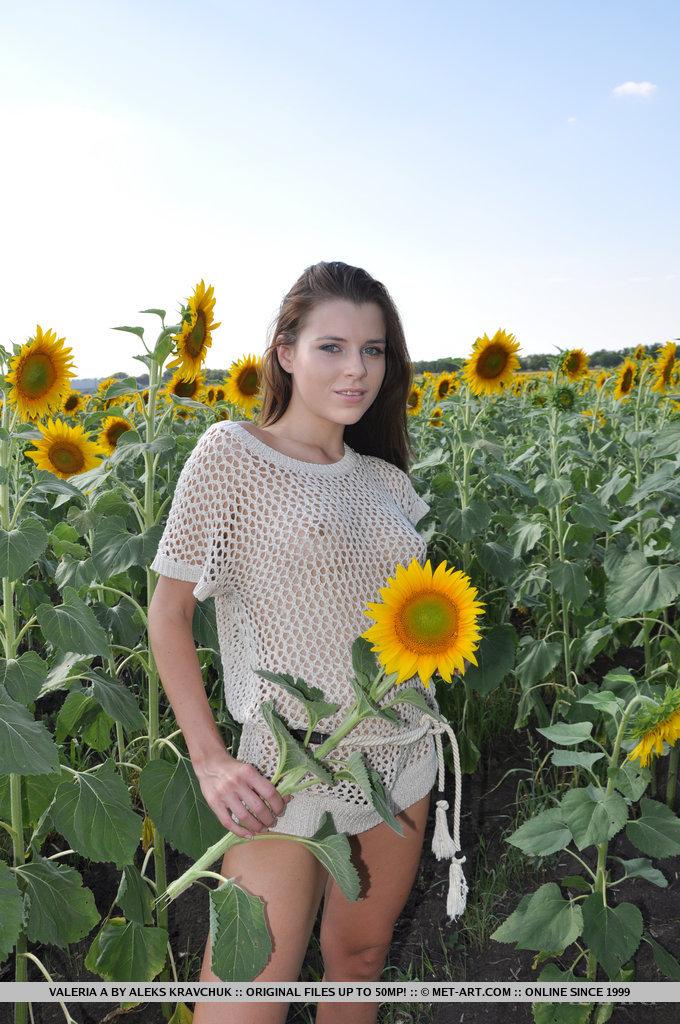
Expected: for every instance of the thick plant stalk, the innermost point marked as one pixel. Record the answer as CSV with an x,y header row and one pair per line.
x,y
671,784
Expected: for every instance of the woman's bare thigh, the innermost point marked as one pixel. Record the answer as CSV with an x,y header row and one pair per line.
x,y
290,881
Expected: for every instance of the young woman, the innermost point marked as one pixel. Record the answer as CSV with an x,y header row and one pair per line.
x,y
293,525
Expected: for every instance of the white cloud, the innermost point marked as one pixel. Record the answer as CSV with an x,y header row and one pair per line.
x,y
644,89
557,279
571,120
639,280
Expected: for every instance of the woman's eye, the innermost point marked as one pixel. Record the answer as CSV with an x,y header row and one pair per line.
x,y
375,348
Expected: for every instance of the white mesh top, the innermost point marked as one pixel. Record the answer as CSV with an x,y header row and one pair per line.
x,y
293,552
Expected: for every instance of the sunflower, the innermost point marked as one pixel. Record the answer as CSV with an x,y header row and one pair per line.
x,y
427,622
601,418
601,379
210,395
73,403
663,368
195,338
182,388
65,450
492,363
625,379
574,363
242,384
655,722
563,397
443,386
414,402
40,375
112,428
220,393
104,385
436,417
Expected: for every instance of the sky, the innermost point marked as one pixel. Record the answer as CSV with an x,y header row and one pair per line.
x,y
494,164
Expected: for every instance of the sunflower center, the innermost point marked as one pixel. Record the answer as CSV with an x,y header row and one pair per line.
x,y
248,382
66,457
428,622
492,361
196,336
185,388
114,432
627,379
71,403
37,375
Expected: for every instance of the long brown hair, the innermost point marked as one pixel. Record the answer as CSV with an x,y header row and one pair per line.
x,y
382,430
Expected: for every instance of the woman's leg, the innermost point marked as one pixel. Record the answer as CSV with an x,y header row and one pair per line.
x,y
291,882
356,936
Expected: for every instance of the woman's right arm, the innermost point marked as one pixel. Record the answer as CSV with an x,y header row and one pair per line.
x,y
224,780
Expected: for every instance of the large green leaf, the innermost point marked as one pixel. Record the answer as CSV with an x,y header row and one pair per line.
x,y
560,1013
311,697
641,867
60,909
26,747
117,700
631,780
134,897
496,560
605,701
333,851
72,627
543,920
569,580
567,733
592,816
126,951
94,811
240,941
665,961
22,677
292,754
173,799
10,911
638,586
20,548
571,758
539,658
543,834
495,658
612,933
657,831
114,548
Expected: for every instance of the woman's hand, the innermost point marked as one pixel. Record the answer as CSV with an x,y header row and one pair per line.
x,y
227,784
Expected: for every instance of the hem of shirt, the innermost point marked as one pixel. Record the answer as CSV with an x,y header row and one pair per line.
x,y
303,814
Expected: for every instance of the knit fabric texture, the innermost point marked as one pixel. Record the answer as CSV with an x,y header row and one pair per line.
x,y
292,553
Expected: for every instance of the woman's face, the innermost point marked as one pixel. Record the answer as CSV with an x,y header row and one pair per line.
x,y
341,346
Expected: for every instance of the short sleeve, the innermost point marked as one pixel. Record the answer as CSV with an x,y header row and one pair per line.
x,y
195,542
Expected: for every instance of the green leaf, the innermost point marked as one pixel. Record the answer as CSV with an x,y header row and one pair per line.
x,y
612,933
240,941
496,560
605,701
495,659
159,312
115,699
637,586
409,695
364,659
543,834
26,747
115,549
133,896
525,535
665,961
657,831
21,547
72,627
126,951
292,754
592,816
139,331
173,799
572,758
60,909
630,780
10,911
567,733
543,920
333,851
575,882
539,659
640,867
94,811
22,677
311,697
569,580
181,1015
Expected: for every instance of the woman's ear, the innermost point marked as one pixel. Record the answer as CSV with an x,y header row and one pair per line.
x,y
284,354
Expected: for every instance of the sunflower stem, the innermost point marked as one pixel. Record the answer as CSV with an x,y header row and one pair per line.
x,y
672,781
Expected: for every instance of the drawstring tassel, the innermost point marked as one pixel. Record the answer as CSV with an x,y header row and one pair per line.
x,y
443,844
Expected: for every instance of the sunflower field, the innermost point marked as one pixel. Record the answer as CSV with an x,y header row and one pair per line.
x,y
555,495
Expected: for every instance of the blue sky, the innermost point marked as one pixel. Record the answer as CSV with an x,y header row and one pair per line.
x,y
475,157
